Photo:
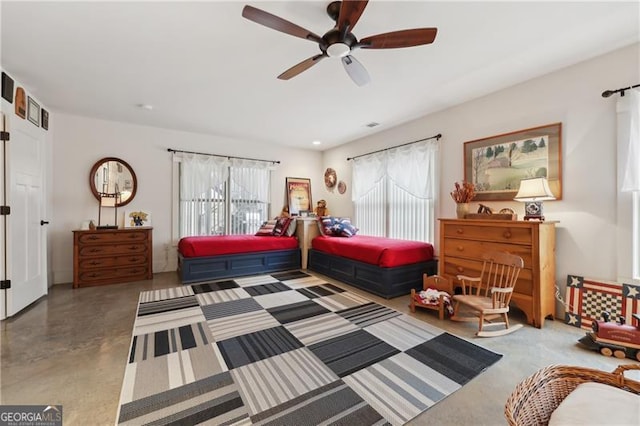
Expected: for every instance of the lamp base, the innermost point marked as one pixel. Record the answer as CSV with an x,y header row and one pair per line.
x,y
533,210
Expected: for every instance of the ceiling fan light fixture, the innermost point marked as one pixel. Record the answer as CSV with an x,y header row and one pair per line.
x,y
338,50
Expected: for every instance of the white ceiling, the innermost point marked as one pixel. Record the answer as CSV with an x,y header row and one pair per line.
x,y
206,69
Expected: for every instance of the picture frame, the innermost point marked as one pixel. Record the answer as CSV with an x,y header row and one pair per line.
x,y
21,103
44,122
137,218
298,195
7,87
33,111
496,164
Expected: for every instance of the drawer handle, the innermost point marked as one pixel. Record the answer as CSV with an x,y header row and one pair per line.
x,y
460,248
133,259
132,236
95,250
507,234
94,275
133,248
93,237
459,231
95,263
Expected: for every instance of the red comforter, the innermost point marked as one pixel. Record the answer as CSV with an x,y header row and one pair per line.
x,y
383,252
231,244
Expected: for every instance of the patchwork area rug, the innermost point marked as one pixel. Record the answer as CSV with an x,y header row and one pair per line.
x,y
587,299
286,349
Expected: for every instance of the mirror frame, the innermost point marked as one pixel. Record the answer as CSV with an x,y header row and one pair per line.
x,y
92,179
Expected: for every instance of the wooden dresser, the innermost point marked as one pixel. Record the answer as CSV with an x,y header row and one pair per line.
x,y
112,256
462,242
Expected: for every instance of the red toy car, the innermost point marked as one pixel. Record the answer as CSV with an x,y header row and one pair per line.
x,y
614,338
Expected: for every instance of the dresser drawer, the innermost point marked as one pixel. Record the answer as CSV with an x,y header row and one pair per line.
x,y
102,262
501,234
103,237
472,268
102,250
113,273
474,249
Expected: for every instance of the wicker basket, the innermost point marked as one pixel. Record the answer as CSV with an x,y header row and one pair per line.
x,y
536,397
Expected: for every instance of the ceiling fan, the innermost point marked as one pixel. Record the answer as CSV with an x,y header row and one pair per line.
x,y
340,41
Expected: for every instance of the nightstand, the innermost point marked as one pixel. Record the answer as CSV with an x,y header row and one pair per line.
x,y
306,230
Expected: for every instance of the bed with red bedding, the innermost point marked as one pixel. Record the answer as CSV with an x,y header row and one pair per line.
x,y
223,256
383,266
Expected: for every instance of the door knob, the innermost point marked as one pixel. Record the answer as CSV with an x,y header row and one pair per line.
x,y
44,222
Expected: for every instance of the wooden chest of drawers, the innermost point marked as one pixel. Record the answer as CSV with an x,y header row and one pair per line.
x,y
111,256
462,243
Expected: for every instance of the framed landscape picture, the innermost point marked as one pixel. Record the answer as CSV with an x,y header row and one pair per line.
x,y
298,195
496,165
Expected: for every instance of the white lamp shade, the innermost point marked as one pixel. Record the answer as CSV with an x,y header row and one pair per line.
x,y
535,189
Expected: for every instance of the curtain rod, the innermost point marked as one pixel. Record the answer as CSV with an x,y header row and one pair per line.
x,y
608,93
437,137
224,156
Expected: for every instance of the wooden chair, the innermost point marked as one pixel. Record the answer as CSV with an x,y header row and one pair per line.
x,y
437,282
488,295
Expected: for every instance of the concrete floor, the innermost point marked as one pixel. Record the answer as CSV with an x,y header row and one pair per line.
x,y
71,348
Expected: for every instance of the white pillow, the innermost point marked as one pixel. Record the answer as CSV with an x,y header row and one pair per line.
x,y
597,404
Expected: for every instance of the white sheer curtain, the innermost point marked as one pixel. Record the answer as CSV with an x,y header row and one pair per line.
x,y
249,196
628,109
394,191
202,194
629,136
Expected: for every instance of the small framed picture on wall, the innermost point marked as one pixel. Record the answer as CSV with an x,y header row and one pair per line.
x,y
44,122
33,111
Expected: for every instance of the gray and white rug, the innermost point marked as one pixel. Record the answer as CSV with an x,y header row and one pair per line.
x,y
286,349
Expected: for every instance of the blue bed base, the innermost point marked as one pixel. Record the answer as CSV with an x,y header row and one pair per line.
x,y
197,269
384,282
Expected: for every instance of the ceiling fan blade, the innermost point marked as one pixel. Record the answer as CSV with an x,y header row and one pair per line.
x,y
356,71
403,38
350,12
302,66
274,22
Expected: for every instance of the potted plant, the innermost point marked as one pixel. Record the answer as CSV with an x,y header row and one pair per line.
x,y
462,195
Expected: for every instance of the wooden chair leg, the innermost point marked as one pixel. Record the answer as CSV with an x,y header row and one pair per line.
x,y
412,304
441,308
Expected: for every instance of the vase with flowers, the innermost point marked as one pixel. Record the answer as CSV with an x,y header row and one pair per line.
x,y
462,195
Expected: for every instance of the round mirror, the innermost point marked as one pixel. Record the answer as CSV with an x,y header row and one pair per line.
x,y
111,175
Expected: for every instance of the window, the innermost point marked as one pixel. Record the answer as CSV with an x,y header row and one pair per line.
x,y
628,108
219,196
394,190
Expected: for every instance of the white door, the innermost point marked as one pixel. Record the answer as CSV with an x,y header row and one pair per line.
x,y
26,237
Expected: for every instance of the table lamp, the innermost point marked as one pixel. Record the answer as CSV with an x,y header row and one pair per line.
x,y
109,200
533,192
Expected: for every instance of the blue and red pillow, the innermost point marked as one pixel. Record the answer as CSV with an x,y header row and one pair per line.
x,y
279,227
337,226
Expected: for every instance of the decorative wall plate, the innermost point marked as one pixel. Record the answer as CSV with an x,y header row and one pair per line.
x,y
342,187
330,178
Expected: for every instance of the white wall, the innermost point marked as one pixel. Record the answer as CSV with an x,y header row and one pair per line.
x,y
79,142
586,235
